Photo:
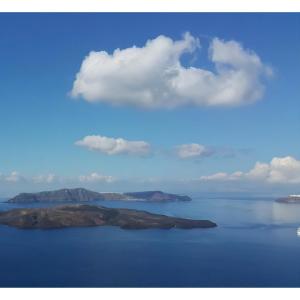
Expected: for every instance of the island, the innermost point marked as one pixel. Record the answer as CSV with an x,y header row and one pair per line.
x,y
83,215
84,195
289,199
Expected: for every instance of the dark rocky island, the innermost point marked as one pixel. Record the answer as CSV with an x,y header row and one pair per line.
x,y
290,199
84,195
82,215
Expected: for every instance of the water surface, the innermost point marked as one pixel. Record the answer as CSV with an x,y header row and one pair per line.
x,y
254,245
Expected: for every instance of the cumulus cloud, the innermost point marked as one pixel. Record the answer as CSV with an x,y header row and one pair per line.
x,y
187,151
96,177
282,170
113,146
153,76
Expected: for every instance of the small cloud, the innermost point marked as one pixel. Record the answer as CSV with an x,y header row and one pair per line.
x,y
191,151
95,177
14,177
114,146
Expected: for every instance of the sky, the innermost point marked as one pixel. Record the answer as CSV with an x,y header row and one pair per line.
x,y
124,102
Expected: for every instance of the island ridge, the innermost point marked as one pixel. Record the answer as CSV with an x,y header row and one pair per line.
x,y
82,215
84,195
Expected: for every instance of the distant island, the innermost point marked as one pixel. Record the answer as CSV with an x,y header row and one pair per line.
x,y
84,195
83,215
290,199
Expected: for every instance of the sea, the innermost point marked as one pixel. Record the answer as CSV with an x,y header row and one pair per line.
x,y
255,245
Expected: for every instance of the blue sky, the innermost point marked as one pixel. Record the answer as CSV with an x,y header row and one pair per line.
x,y
40,121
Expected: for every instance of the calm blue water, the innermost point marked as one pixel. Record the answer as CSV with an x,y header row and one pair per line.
x,y
255,245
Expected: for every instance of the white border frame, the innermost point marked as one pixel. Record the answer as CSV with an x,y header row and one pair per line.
x,y
149,5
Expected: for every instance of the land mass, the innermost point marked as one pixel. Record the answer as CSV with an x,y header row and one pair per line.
x,y
84,195
83,215
289,199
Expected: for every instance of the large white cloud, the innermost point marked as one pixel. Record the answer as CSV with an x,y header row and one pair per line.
x,y
112,146
153,76
187,151
282,170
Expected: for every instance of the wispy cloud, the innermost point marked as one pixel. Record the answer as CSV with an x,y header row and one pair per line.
x,y
49,179
14,176
195,151
96,177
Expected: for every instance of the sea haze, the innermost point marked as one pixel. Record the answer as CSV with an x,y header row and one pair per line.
x,y
254,245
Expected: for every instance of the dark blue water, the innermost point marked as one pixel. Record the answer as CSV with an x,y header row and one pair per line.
x,y
255,245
